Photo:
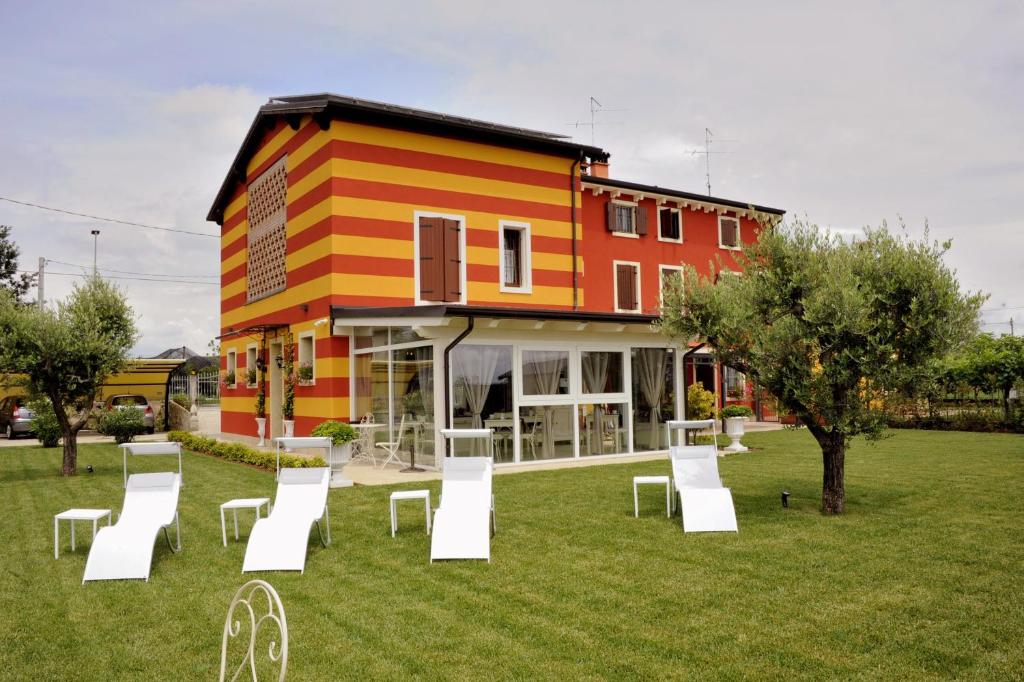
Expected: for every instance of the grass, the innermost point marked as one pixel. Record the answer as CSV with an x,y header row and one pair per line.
x,y
920,579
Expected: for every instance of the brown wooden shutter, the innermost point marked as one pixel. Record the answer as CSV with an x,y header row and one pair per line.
x,y
452,262
730,231
625,276
431,259
641,219
612,224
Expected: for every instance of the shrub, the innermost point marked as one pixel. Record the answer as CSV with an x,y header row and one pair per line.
x,y
339,432
305,372
238,452
229,378
183,400
250,376
700,402
737,411
44,423
122,424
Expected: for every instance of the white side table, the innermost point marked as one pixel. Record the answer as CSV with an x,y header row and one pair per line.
x,y
409,495
241,503
72,515
652,480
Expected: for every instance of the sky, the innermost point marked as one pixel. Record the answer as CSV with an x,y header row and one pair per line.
x,y
847,114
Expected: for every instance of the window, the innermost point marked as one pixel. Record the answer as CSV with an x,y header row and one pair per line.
x,y
602,371
728,232
626,218
481,379
627,287
307,358
545,372
266,208
229,374
654,396
440,270
670,227
670,274
251,373
514,265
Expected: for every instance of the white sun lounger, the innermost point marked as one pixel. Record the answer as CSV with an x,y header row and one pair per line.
x,y
464,520
124,551
279,541
706,504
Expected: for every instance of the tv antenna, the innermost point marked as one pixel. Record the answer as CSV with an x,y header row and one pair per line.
x,y
595,108
706,152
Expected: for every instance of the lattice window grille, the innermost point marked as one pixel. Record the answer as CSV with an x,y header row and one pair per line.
x,y
267,238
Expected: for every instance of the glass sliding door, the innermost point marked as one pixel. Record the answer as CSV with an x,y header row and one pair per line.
x,y
482,398
654,396
603,429
412,396
546,432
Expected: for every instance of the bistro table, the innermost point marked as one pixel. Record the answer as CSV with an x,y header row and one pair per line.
x,y
72,515
363,445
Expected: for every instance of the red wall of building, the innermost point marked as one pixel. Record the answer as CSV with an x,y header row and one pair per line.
x,y
600,248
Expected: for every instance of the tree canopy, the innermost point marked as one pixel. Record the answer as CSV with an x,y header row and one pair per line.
x,y
17,284
66,353
826,325
990,363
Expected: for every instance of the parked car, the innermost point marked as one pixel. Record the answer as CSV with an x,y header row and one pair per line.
x,y
137,402
15,418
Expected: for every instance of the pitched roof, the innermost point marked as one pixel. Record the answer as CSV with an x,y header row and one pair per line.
x,y
325,107
636,187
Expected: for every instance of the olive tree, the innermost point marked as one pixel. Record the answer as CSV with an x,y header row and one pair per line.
x,y
17,283
828,326
67,353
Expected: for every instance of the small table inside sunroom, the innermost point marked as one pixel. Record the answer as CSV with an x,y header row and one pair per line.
x,y
241,503
72,515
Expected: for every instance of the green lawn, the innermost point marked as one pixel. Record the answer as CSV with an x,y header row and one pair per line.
x,y
922,578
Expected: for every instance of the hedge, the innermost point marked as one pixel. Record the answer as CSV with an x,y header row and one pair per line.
x,y
237,452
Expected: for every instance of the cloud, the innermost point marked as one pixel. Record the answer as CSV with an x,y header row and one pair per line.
x,y
851,114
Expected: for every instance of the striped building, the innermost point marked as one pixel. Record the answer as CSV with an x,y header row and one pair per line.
x,y
370,253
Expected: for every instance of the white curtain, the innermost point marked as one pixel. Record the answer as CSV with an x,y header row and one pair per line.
x,y
425,374
474,367
595,376
651,365
542,372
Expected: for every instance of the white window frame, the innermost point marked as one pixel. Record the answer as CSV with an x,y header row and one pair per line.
x,y
615,286
251,353
311,335
232,366
679,212
461,219
636,207
661,279
739,233
526,257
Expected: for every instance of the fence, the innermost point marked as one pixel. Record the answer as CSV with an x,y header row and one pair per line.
x,y
207,386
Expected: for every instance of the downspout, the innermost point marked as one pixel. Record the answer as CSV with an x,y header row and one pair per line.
x,y
447,374
572,199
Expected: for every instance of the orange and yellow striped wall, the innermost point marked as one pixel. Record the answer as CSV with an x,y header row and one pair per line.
x,y
353,191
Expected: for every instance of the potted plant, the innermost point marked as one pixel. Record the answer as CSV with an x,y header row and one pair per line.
x,y
229,379
305,373
251,377
261,414
341,435
288,406
735,417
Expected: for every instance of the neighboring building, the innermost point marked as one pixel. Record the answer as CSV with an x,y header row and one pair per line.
x,y
394,248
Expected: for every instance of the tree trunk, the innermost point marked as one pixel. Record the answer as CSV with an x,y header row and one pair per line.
x,y
833,491
70,467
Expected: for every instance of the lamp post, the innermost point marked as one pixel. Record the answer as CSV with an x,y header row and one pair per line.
x,y
95,234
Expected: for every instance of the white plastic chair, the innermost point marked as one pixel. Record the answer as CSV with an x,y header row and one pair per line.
x,y
279,541
124,551
705,504
464,520
392,447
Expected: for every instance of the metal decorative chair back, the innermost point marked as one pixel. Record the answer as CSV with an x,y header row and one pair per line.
x,y
257,602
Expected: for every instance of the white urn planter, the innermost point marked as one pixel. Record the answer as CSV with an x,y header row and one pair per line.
x,y
342,456
735,428
289,430
261,430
